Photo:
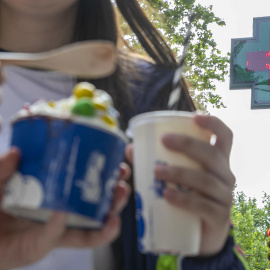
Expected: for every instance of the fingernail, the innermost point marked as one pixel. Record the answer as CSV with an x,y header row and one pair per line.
x,y
169,193
111,220
170,138
161,169
60,217
14,152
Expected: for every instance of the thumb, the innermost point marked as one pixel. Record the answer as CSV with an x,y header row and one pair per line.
x,y
40,240
8,164
48,236
55,228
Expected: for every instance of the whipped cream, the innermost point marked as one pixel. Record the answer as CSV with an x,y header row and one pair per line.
x,y
87,105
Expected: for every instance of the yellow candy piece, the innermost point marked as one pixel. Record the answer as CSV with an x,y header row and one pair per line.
x,y
84,89
109,120
51,103
101,106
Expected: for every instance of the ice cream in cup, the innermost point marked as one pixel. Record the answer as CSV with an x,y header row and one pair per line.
x,y
71,150
162,227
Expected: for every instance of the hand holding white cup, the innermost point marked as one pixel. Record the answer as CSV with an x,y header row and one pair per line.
x,y
163,227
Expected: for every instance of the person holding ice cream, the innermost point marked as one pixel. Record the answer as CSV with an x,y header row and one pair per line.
x,y
137,85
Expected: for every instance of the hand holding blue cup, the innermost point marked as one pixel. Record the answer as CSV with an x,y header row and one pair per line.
x,y
67,164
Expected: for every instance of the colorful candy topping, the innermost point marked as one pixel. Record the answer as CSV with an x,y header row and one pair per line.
x,y
84,89
84,106
86,101
93,102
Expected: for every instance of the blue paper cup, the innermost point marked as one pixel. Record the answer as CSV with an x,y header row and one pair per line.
x,y
65,166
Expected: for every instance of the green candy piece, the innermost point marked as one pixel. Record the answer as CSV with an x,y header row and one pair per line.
x,y
84,106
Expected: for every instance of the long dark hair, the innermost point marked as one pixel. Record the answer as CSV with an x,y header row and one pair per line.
x,y
96,20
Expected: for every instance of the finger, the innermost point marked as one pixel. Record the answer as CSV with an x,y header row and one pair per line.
x,y
206,210
56,224
196,180
125,171
223,133
92,238
54,229
8,164
121,195
38,240
211,214
129,153
210,158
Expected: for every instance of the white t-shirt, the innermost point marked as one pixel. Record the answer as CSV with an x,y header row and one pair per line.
x,y
25,85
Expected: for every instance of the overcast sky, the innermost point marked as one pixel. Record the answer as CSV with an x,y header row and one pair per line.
x,y
250,159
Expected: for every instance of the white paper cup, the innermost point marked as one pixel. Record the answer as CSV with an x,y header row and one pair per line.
x,y
162,228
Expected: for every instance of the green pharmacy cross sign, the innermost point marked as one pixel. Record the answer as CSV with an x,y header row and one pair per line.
x,y
250,63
